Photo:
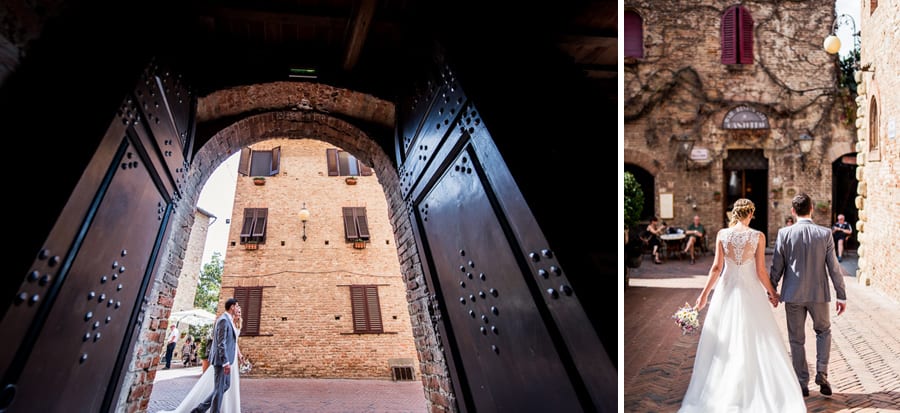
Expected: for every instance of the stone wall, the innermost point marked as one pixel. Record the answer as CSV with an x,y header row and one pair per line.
x,y
190,270
678,95
879,158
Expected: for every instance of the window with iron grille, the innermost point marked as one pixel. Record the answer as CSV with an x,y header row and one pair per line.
x,y
366,309
253,230
260,163
356,224
250,300
341,163
737,36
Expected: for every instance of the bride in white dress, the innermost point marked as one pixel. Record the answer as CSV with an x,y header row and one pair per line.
x,y
742,364
203,387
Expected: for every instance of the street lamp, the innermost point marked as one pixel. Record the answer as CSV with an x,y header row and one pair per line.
x,y
304,216
832,43
805,142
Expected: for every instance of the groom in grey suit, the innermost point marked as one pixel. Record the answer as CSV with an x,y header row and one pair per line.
x,y
804,256
221,356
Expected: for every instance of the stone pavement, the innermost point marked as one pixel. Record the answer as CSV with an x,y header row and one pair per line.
x,y
864,369
269,395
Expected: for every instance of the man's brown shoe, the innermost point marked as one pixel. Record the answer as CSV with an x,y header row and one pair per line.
x,y
824,386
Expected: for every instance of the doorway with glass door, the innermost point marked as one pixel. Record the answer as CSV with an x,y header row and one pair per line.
x,y
746,174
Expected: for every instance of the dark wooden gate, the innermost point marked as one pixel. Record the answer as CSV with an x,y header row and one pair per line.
x,y
69,332
515,334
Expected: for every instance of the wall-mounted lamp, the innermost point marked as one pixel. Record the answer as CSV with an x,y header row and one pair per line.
x,y
805,142
832,43
304,216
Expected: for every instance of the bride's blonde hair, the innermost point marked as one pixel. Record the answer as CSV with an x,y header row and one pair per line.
x,y
742,208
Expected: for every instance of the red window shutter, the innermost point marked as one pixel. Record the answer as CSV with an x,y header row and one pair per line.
x,y
729,37
350,230
362,223
259,227
634,35
244,167
358,307
247,226
276,161
746,36
363,169
332,158
373,310
251,311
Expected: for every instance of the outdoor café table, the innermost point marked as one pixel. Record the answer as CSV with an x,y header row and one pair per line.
x,y
674,244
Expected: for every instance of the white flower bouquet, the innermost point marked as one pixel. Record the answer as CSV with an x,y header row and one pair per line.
x,y
687,318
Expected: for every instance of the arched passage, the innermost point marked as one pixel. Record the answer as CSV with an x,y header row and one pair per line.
x,y
257,128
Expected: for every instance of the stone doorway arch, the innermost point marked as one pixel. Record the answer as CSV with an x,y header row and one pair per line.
x,y
293,124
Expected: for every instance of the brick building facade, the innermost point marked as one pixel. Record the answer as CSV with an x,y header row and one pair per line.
x,y
878,172
192,264
316,303
724,101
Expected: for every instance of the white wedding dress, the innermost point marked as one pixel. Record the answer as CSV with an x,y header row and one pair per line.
x,y
204,387
742,364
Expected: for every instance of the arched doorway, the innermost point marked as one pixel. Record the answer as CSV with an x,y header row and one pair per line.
x,y
746,173
843,193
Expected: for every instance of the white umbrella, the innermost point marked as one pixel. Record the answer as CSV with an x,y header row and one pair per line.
x,y
194,317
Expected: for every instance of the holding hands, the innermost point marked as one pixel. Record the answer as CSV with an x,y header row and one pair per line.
x,y
774,298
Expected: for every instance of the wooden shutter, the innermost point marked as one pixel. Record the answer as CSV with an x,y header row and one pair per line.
x,y
366,309
362,222
332,157
244,167
350,230
276,161
247,226
364,170
729,37
634,35
746,36
259,226
250,299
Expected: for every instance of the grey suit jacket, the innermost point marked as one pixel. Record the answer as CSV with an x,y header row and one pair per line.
x,y
223,344
804,256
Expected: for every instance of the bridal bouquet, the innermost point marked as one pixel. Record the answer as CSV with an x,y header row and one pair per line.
x,y
687,318
246,365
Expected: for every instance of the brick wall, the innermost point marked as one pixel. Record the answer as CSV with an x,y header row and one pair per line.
x,y
879,163
306,327
423,313
677,96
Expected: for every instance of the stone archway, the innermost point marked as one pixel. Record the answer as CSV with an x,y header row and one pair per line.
x,y
293,124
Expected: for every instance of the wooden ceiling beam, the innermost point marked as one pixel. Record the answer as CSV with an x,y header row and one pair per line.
x,y
359,30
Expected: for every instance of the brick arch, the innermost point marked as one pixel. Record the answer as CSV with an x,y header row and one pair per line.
x,y
277,96
642,159
295,124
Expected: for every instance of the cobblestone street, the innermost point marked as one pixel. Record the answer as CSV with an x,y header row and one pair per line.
x,y
265,395
865,359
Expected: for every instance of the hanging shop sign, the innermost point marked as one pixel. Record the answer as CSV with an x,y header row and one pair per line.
x,y
745,117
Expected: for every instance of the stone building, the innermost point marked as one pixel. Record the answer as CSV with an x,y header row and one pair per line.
x,y
726,100
325,297
193,257
878,172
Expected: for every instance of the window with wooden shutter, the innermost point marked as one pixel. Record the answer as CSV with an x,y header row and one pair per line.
x,y
253,229
342,163
244,167
356,223
366,309
874,153
634,35
276,161
331,156
737,36
250,300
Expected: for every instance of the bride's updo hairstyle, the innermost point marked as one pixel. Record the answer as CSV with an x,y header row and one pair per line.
x,y
742,208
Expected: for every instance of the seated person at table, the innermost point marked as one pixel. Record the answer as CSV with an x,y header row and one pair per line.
x,y
840,231
651,235
695,233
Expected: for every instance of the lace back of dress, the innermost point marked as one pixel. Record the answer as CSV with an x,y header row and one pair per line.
x,y
740,245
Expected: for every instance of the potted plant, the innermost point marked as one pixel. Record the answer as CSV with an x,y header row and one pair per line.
x,y
717,196
350,180
822,206
203,352
259,180
359,243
